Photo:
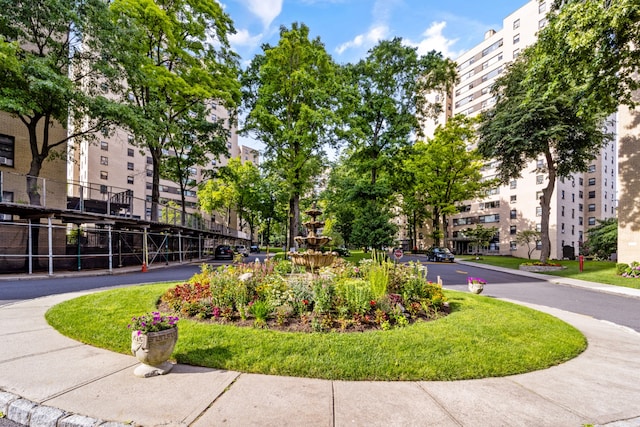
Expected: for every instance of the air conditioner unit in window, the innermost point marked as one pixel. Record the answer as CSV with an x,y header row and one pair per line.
x,y
6,162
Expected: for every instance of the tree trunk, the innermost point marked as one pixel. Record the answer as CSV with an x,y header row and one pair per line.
x,y
156,153
545,204
294,215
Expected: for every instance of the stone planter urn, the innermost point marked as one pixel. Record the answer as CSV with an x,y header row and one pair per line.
x,y
153,349
475,288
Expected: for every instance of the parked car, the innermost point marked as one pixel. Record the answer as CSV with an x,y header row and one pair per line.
x,y
241,249
439,254
223,252
254,249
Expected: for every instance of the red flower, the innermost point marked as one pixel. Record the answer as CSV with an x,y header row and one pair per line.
x,y
305,301
372,303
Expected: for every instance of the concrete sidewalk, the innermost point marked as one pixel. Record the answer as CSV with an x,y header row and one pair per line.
x,y
46,378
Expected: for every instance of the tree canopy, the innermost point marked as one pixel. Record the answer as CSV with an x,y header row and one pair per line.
x,y
290,95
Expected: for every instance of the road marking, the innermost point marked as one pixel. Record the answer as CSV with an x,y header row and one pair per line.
x,y
462,272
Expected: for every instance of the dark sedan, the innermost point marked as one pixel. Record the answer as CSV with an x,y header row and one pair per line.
x,y
439,254
223,252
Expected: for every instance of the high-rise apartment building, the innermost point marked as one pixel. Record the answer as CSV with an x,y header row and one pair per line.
x,y
578,201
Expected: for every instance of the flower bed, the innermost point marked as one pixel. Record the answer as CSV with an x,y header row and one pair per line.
x,y
344,297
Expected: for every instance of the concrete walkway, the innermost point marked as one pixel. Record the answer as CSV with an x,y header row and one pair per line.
x,y
47,379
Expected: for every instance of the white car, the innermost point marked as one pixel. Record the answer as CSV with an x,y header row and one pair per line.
x,y
241,249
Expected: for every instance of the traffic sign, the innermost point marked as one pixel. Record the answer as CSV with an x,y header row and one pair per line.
x,y
397,253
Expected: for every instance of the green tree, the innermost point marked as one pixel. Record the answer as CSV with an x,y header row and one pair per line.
x,y
198,141
538,115
446,172
290,95
481,236
384,103
171,58
599,49
529,238
602,239
51,73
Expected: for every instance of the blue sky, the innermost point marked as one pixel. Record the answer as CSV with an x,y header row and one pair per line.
x,y
348,28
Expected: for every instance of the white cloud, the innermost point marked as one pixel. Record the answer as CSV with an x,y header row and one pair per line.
x,y
266,10
433,39
367,40
244,38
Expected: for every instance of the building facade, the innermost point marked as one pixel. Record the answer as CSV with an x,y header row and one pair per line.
x,y
578,201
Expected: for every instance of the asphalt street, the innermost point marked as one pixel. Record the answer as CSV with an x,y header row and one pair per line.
x,y
614,308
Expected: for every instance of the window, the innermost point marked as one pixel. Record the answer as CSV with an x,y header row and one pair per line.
x,y
562,194
516,39
489,218
539,244
539,179
513,199
129,179
513,214
580,194
542,7
542,23
129,166
538,195
516,24
491,48
539,211
539,228
581,181
104,160
130,139
573,197
7,150
104,175
562,211
592,220
149,172
573,230
592,168
513,229
592,207
581,207
103,189
580,220
149,160
573,213
592,195
513,184
562,227
104,145
149,186
513,245
592,181
130,152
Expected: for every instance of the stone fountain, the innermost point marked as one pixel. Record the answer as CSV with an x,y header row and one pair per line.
x,y
312,259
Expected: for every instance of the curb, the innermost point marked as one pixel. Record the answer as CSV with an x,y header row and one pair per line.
x,y
27,413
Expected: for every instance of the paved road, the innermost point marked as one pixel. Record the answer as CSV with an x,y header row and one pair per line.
x,y
614,308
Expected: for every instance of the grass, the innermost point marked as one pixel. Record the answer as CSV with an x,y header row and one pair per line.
x,y
482,337
593,271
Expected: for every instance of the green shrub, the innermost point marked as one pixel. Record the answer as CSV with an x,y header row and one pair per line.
x,y
356,295
621,267
632,271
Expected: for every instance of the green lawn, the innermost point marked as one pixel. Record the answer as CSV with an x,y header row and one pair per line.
x,y
482,337
594,271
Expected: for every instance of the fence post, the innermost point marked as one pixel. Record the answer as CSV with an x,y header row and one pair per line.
x,y
180,245
110,250
50,236
30,245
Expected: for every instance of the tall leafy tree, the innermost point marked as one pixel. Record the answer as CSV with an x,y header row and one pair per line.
x,y
539,113
446,172
385,103
169,57
51,75
198,139
528,238
289,94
